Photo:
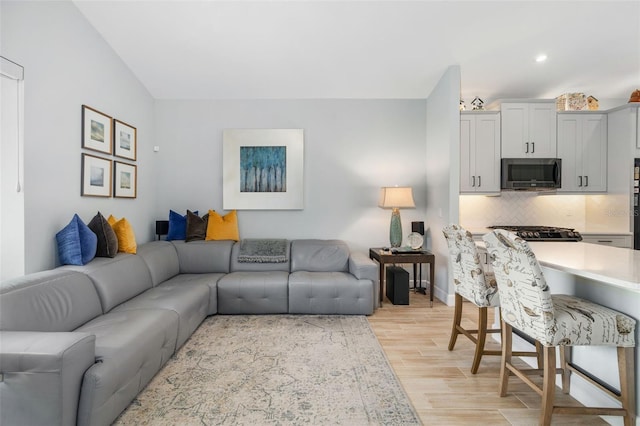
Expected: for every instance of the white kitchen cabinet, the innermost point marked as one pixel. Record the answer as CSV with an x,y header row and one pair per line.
x,y
615,240
528,129
582,146
479,152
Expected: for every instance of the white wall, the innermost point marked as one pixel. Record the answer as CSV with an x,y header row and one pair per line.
x,y
443,172
68,64
11,170
351,149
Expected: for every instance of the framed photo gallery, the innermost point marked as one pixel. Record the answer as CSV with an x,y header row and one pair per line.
x,y
106,136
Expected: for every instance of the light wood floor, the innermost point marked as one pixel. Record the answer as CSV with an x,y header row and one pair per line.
x,y
439,382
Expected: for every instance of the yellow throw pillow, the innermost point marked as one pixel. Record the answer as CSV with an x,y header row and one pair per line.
x,y
124,232
222,227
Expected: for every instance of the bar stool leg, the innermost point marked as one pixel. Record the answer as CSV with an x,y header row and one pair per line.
x,y
457,317
626,370
565,358
480,340
548,385
506,358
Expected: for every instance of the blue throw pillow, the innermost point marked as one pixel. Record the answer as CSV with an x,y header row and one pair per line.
x,y
177,226
77,244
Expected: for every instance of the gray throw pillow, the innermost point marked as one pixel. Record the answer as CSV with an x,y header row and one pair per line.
x,y
107,239
196,226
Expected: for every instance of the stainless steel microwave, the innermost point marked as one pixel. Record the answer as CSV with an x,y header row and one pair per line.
x,y
532,174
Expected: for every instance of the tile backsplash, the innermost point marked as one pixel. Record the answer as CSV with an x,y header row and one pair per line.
x,y
586,213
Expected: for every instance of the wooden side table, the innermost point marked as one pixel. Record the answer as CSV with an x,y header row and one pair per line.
x,y
415,258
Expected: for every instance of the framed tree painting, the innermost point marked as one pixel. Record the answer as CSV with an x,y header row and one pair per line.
x,y
125,180
124,140
263,169
96,176
96,130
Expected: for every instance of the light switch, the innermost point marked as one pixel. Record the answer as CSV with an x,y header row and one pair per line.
x,y
156,148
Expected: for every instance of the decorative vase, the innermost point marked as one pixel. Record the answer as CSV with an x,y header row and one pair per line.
x,y
395,231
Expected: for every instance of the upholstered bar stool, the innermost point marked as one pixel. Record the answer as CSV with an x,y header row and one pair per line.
x,y
557,321
476,285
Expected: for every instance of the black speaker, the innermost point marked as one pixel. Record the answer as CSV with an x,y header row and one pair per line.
x,y
162,227
417,227
397,285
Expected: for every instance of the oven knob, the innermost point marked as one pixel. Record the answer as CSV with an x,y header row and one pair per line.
x,y
529,234
536,234
570,234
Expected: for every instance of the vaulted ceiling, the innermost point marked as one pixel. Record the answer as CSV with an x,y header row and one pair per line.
x,y
373,49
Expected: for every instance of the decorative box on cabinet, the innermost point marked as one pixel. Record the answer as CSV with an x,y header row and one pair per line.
x,y
582,146
528,129
479,152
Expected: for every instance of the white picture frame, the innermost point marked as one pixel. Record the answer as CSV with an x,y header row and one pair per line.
x,y
281,182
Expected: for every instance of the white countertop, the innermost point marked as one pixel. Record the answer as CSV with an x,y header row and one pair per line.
x,y
611,265
619,267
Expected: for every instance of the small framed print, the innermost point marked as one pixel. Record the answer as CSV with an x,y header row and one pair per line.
x,y
96,176
125,180
96,130
124,140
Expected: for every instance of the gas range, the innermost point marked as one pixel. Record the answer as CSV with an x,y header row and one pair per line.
x,y
542,233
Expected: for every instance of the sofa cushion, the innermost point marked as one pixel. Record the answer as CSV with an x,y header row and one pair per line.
x,y
257,267
198,257
107,239
222,227
161,259
55,300
330,293
189,300
210,280
77,243
319,256
116,280
253,293
131,346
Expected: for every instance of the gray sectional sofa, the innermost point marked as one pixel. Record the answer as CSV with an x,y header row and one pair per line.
x,y
78,343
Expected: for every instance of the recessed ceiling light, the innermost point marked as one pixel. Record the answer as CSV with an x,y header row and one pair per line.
x,y
541,58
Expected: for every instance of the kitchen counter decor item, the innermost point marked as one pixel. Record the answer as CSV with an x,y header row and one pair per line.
x,y
635,96
572,102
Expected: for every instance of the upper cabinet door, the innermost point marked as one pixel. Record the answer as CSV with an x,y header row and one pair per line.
x,y
480,152
528,130
582,146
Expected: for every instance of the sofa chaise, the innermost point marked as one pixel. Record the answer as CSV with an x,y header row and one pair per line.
x,y
78,343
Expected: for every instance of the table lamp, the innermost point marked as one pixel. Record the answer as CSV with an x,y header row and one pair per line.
x,y
396,198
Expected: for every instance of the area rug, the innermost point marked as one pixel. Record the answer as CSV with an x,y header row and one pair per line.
x,y
275,370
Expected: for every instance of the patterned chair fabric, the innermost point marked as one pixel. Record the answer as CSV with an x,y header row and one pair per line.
x,y
527,303
470,278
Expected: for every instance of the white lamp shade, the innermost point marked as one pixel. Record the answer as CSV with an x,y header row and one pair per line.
x,y
396,197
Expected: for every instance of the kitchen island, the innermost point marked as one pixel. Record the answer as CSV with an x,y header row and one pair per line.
x,y
609,276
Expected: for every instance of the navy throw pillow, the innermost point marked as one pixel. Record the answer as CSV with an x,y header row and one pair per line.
x,y
177,226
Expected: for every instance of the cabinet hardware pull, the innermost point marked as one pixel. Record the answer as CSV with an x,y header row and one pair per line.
x,y
474,181
533,147
605,241
479,181
586,181
527,151
580,177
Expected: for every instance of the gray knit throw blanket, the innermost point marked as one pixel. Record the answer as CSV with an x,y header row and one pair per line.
x,y
263,251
